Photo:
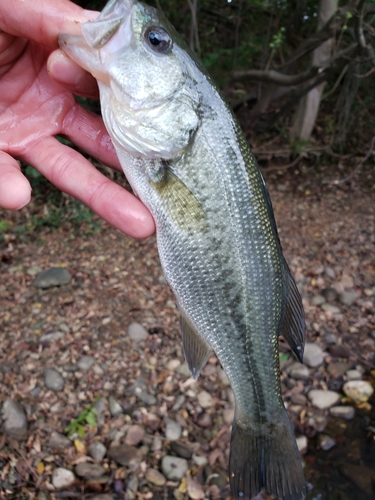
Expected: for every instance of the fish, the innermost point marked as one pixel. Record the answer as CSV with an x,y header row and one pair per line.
x,y
187,159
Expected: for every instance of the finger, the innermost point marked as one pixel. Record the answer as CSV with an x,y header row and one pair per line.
x,y
75,175
15,189
42,21
66,72
87,130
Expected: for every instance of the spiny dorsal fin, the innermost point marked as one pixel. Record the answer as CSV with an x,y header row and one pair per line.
x,y
293,328
196,349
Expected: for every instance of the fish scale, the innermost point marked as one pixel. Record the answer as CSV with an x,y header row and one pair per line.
x,y
188,160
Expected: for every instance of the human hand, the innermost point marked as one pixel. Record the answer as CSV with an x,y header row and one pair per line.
x,y
34,108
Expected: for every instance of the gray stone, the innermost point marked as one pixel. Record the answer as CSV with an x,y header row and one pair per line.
x,y
183,450
55,276
183,370
331,309
174,468
346,412
51,337
358,391
88,470
348,297
155,477
318,300
298,399
326,442
85,363
15,421
137,332
205,399
354,375
97,450
323,399
115,408
313,355
173,429
62,478
135,435
298,371
58,441
200,460
53,380
126,455
146,397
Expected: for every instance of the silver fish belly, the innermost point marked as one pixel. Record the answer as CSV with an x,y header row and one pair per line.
x,y
187,159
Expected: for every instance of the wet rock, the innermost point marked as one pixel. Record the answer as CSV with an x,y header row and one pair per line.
x,y
53,380
205,399
135,435
323,399
313,355
115,408
55,276
97,450
173,429
330,294
346,412
358,391
181,449
174,468
331,309
85,363
348,297
58,441
298,371
15,420
302,444
318,300
137,332
88,470
326,442
62,478
155,477
125,455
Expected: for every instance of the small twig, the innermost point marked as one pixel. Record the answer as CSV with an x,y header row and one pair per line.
x,y
352,174
283,167
366,74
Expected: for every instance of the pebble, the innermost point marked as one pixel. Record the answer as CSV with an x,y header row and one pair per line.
x,y
228,415
326,442
223,377
346,412
200,460
298,371
347,281
194,489
88,470
106,496
298,399
15,421
313,355
51,337
354,375
358,391
331,309
302,444
137,332
173,429
183,370
323,399
172,365
62,478
146,397
155,477
85,363
181,449
97,450
135,435
58,441
55,276
330,294
115,408
348,297
53,380
205,399
318,300
126,455
205,420
174,468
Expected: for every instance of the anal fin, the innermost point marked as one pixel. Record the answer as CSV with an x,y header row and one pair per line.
x,y
196,349
294,327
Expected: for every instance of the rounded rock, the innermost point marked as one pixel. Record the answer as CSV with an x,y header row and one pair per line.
x,y
205,399
358,391
89,471
174,468
135,435
62,478
137,332
155,477
85,363
346,412
173,429
53,380
115,408
313,355
55,276
323,399
97,450
298,371
15,420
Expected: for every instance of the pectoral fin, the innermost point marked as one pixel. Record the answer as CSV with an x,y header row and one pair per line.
x,y
196,349
294,328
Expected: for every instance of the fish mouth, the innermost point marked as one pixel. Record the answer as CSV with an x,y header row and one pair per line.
x,y
84,49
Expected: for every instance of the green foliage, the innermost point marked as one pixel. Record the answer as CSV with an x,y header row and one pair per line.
x,y
278,39
297,146
88,416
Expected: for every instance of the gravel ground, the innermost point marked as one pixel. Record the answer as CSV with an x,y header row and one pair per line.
x,y
97,400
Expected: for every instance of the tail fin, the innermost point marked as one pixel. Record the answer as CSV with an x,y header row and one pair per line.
x,y
266,456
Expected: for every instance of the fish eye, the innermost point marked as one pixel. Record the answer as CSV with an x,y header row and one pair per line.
x,y
158,39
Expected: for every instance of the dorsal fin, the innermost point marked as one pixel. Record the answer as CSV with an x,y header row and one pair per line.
x,y
196,349
293,327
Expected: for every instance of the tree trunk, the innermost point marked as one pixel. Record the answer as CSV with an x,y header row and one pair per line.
x,y
308,106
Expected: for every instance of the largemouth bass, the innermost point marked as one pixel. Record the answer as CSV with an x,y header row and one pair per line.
x,y
187,159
